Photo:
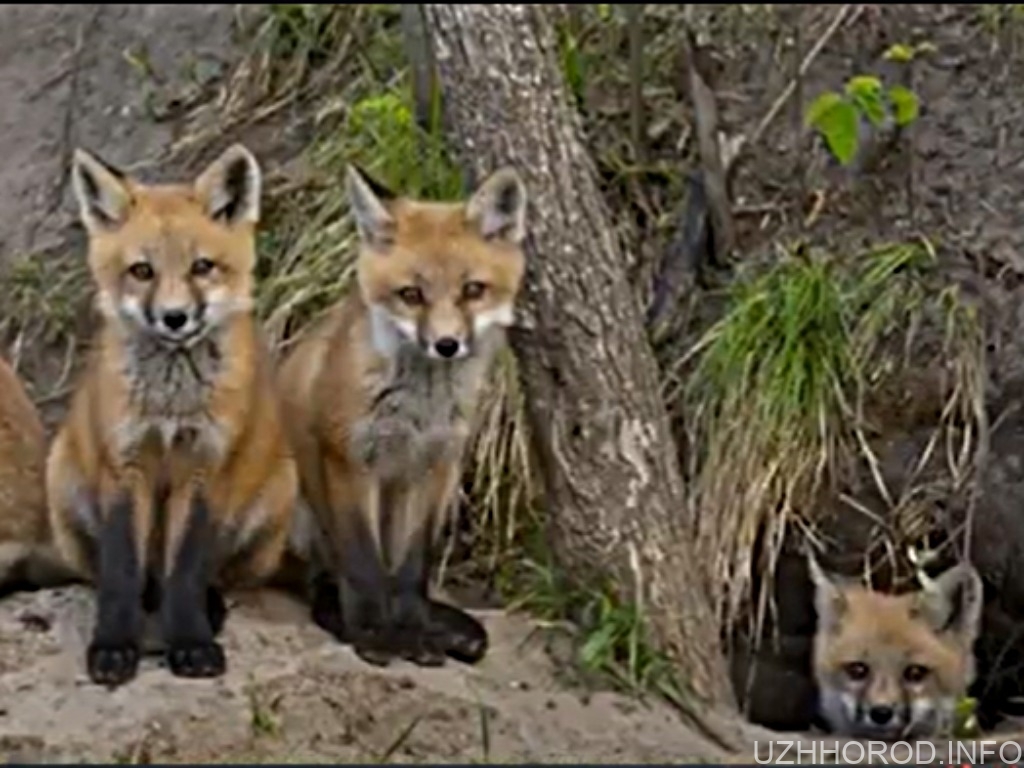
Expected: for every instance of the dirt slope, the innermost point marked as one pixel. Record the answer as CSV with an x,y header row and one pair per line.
x,y
292,694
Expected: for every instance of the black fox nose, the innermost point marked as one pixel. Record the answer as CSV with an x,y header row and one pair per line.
x,y
175,319
446,347
880,715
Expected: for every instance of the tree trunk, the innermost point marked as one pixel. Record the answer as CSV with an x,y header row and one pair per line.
x,y
612,484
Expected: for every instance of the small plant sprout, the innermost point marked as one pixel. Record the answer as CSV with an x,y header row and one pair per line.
x,y
837,116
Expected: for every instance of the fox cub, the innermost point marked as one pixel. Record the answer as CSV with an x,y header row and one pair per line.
x,y
894,666
379,397
27,559
170,478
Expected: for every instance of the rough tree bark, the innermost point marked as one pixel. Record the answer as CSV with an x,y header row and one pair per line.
x,y
612,483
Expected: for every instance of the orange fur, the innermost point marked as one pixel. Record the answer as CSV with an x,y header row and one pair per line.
x,y
169,412
26,558
890,665
380,393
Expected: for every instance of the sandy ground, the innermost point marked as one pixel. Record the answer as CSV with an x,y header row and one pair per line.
x,y
292,694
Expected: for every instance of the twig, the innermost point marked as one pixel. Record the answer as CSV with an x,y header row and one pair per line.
x,y
634,22
417,50
780,102
980,459
712,163
797,114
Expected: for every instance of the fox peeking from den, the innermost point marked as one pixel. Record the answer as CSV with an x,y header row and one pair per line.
x,y
895,666
379,397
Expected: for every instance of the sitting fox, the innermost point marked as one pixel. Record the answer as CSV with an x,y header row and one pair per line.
x,y
170,478
895,666
379,397
27,557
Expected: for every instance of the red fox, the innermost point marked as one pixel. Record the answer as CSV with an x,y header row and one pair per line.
x,y
379,396
27,559
895,666
170,478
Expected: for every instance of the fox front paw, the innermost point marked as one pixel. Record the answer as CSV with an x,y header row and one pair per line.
x,y
462,636
196,659
112,664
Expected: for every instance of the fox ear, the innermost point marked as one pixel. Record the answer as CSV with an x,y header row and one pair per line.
x,y
103,196
370,200
230,187
953,601
829,600
498,207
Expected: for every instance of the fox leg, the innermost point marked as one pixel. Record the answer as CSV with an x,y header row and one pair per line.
x,y
192,650
119,559
353,604
458,634
410,546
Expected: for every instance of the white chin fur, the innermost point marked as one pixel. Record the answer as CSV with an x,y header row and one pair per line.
x,y
130,309
501,316
388,331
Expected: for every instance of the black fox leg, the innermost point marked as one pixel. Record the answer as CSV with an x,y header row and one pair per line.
x,y
455,632
113,654
365,610
185,612
352,605
415,639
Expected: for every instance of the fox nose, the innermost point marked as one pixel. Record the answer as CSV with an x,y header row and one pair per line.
x,y
447,346
174,319
880,715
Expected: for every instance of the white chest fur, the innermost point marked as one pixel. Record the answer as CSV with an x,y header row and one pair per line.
x,y
169,394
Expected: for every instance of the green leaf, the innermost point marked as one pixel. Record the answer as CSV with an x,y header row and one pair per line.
x,y
866,92
904,103
820,106
899,52
838,124
597,646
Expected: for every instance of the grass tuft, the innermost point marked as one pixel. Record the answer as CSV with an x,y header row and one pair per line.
x,y
783,395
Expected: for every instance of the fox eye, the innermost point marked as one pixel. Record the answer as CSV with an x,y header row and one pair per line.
x,y
915,673
473,290
141,271
411,295
202,267
856,670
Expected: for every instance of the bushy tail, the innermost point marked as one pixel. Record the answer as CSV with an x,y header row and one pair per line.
x,y
27,567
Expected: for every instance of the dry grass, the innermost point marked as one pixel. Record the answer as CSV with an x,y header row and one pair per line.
x,y
783,395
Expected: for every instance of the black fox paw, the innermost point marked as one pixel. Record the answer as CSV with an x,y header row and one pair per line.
x,y
423,648
196,659
375,647
112,664
462,636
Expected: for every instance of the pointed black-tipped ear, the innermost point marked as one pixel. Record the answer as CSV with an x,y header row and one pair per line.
x,y
498,207
953,601
100,189
230,187
829,600
370,200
